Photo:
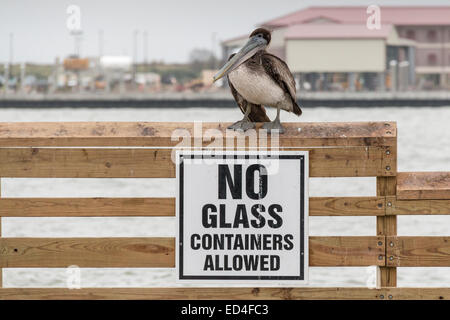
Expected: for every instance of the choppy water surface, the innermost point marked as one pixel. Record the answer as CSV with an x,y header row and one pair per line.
x,y
423,145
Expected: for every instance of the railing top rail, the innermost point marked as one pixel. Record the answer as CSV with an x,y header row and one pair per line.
x,y
423,185
156,134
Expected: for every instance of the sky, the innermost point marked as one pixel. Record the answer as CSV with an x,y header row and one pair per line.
x,y
174,28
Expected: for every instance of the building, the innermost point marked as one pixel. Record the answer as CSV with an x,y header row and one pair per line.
x,y
332,48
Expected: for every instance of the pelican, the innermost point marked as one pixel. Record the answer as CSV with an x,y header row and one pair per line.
x,y
258,78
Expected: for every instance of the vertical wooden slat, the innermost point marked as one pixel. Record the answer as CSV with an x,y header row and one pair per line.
x,y
1,270
387,226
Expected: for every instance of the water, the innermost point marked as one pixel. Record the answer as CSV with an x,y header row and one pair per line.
x,y
423,145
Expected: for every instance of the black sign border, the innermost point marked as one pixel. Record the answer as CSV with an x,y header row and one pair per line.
x,y
301,276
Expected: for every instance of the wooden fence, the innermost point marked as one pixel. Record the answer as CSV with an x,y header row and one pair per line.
x,y
139,150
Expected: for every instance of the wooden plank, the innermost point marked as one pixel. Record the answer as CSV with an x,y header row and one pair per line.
x,y
423,185
87,252
159,252
87,207
96,134
349,162
345,206
418,293
308,293
218,293
418,251
416,207
157,163
1,270
165,207
387,226
346,251
85,163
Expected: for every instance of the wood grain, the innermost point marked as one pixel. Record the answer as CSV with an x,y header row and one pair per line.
x,y
417,207
387,226
87,207
87,252
418,251
304,293
418,293
423,185
165,207
223,293
346,206
97,134
85,163
1,270
346,251
349,162
157,163
160,252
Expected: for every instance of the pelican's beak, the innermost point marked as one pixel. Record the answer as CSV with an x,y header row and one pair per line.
x,y
253,45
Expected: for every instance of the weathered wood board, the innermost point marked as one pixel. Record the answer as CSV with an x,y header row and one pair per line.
x,y
418,251
157,134
423,185
157,163
165,207
395,206
387,226
160,252
194,293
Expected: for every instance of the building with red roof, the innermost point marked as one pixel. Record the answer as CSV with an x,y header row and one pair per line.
x,y
361,48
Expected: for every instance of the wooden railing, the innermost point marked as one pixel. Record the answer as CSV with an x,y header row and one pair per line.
x,y
139,150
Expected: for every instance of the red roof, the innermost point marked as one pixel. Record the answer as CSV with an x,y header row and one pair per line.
x,y
325,31
430,15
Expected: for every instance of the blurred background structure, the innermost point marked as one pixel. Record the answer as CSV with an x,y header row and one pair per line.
x,y
328,49
333,49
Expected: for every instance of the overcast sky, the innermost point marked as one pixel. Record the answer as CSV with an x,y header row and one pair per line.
x,y
174,27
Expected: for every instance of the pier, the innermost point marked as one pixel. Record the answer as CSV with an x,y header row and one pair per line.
x,y
143,150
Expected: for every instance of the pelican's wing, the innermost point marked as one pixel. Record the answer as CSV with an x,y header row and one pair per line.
x,y
257,114
280,73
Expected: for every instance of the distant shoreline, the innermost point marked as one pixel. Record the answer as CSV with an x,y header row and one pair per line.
x,y
220,99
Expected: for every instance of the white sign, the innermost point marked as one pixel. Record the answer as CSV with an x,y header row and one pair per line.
x,y
242,217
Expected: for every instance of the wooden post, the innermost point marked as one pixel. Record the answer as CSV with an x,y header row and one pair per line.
x,y
1,270
387,226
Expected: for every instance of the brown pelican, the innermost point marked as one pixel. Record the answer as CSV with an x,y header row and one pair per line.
x,y
258,78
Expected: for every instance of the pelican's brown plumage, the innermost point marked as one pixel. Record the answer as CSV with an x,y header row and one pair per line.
x,y
258,78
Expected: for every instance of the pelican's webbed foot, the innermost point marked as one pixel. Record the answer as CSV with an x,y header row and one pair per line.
x,y
242,125
274,125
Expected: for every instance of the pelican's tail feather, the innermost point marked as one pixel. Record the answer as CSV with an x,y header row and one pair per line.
x,y
258,114
296,108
